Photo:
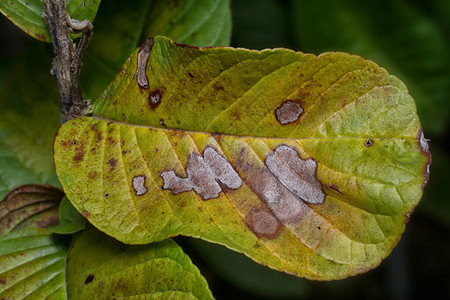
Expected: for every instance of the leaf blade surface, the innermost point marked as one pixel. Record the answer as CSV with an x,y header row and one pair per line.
x,y
307,164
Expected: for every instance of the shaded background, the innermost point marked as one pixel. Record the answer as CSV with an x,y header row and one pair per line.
x,y
408,38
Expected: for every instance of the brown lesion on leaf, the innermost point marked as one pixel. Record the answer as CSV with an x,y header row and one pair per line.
x,y
423,144
112,162
218,86
138,184
79,153
203,175
89,279
142,59
92,175
369,143
154,98
263,223
288,112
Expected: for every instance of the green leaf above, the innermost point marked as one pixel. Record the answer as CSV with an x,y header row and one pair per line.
x,y
32,263
28,14
99,267
308,164
31,205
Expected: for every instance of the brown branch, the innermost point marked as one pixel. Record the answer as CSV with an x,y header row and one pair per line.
x,y
66,66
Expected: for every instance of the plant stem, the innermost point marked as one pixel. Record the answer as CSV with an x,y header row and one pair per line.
x,y
66,66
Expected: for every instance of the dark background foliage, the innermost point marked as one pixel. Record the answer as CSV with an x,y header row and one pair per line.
x,y
410,38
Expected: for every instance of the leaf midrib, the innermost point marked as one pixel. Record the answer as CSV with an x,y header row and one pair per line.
x,y
166,129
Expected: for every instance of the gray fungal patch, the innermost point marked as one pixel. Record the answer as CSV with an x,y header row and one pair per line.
x,y
423,142
138,183
143,55
154,98
288,112
263,223
296,174
282,202
203,175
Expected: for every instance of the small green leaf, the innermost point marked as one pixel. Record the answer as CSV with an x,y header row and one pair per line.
x,y
32,265
193,22
307,164
99,267
71,221
28,14
30,205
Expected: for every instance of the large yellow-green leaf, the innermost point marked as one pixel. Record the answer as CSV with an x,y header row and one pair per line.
x,y
307,164
99,267
28,14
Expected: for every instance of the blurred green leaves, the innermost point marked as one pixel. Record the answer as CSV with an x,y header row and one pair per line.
x,y
29,118
395,34
28,14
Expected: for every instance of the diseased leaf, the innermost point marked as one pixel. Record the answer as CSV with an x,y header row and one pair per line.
x,y
412,45
29,118
71,221
28,14
30,205
99,267
307,164
32,265
193,22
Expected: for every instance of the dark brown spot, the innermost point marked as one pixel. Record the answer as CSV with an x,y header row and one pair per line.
x,y
111,140
190,74
2,281
369,143
263,223
154,98
85,214
79,154
138,183
92,174
141,71
112,162
288,112
89,279
217,86
40,36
